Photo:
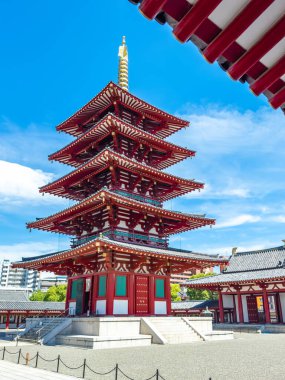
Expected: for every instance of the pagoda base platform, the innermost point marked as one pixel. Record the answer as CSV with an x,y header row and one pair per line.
x,y
115,332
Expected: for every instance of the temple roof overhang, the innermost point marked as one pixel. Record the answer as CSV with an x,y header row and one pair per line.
x,y
247,268
107,159
114,93
238,278
110,123
246,37
102,244
105,199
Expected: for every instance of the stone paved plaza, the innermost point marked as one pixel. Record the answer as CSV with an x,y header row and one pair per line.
x,y
248,357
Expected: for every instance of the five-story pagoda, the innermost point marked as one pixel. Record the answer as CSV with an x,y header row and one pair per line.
x,y
119,262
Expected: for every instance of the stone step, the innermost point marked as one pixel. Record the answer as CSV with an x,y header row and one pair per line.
x,y
99,342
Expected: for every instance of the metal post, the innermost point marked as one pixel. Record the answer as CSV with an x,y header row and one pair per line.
x,y
37,358
58,360
157,375
84,368
4,349
19,355
116,372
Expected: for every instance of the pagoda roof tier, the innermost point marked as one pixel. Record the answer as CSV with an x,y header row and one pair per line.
x,y
74,125
75,184
101,245
70,220
70,154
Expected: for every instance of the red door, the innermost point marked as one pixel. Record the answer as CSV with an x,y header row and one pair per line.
x,y
252,309
141,295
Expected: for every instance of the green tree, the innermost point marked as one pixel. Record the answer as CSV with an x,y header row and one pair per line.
x,y
201,294
175,289
56,293
38,295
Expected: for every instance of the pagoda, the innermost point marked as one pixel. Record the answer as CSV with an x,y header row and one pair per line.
x,y
119,262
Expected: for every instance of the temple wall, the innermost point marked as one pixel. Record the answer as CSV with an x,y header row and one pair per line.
x,y
228,301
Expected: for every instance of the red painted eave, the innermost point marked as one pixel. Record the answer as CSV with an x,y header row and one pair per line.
x,y
247,37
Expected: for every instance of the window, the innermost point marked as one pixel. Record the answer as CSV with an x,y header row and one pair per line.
x,y
159,288
121,286
102,286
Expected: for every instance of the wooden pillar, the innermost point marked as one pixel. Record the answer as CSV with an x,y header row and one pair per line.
x,y
240,308
221,307
131,297
93,293
68,294
151,294
7,320
265,303
168,295
110,293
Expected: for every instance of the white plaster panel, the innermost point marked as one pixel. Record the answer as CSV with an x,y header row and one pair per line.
x,y
226,11
262,24
101,307
236,302
121,307
282,301
228,301
72,308
244,308
160,307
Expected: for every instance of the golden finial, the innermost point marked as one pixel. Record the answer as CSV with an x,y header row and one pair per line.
x,y
123,65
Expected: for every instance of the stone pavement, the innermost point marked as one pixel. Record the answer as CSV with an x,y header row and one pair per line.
x,y
11,371
248,357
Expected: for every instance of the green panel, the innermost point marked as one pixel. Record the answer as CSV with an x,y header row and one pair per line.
x,y
159,288
102,286
74,289
79,295
121,286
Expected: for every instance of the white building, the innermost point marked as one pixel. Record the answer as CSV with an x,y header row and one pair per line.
x,y
18,277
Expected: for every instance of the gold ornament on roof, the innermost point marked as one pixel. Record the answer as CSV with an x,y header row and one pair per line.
x,y
123,77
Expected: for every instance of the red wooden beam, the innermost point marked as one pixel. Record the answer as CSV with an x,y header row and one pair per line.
x,y
254,54
241,22
269,77
150,8
278,99
194,18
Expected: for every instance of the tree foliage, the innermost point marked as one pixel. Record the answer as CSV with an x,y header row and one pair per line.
x,y
175,290
56,293
201,294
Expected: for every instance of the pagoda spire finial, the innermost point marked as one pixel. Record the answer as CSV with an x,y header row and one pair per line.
x,y
123,79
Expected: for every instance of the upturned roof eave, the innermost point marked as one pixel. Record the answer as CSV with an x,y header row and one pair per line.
x,y
70,121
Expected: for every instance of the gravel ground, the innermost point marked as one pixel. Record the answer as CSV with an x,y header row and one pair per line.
x,y
247,357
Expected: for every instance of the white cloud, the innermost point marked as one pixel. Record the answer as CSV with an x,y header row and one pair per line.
x,y
278,219
238,221
15,252
21,183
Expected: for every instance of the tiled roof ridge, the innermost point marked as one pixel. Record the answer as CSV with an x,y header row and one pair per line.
x,y
265,250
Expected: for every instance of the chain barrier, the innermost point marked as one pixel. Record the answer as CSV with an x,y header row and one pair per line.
x,y
100,373
73,368
84,366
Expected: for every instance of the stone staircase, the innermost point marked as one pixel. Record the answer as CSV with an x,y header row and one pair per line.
x,y
174,330
39,330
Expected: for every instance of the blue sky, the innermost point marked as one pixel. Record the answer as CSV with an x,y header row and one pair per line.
x,y
55,56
